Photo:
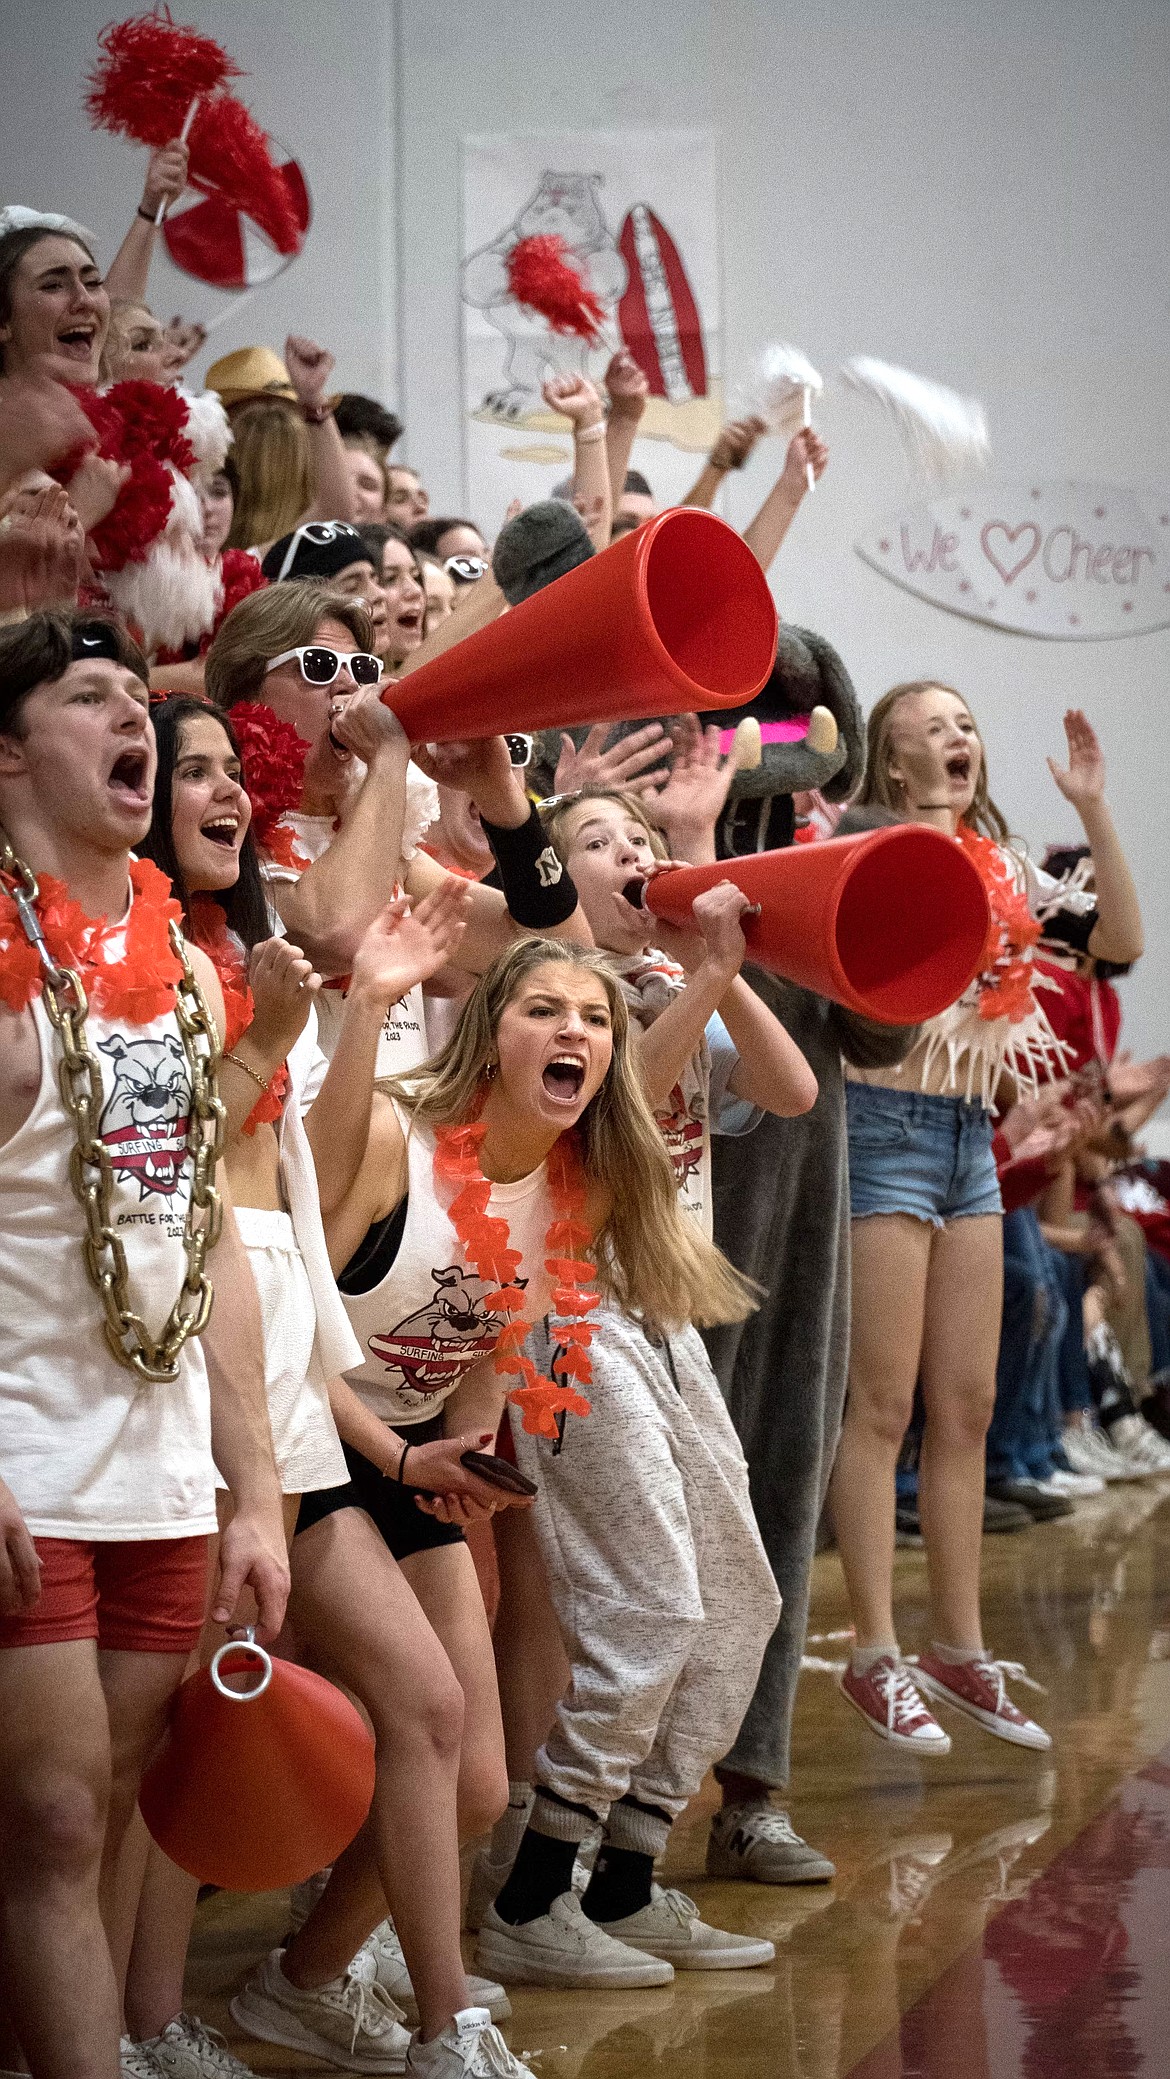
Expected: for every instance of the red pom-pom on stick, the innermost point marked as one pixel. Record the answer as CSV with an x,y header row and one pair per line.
x,y
541,275
230,157
150,73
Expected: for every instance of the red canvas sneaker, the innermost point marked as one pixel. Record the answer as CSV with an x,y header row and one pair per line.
x,y
891,1706
979,1687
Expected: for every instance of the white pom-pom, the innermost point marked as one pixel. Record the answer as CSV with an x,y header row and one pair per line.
x,y
944,435
173,596
782,384
208,429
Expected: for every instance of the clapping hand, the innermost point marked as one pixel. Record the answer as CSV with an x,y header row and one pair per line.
x,y
405,945
632,763
1082,780
283,984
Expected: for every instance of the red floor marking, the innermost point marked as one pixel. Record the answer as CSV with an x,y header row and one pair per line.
x,y
1071,1981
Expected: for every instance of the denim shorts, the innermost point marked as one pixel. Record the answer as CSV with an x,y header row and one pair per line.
x,y
912,1153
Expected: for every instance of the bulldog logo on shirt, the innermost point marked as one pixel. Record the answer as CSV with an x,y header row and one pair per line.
x,y
434,1346
683,1134
145,1118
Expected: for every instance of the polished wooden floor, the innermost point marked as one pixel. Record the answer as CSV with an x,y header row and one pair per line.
x,y
998,1913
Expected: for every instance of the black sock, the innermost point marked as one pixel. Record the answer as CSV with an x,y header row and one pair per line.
x,y
543,1869
620,1884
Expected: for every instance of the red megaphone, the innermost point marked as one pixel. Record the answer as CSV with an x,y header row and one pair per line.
x,y
893,925
257,1788
675,616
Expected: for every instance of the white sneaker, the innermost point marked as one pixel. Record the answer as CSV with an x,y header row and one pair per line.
x,y
759,1843
488,1878
349,2022
391,1974
468,2048
564,1948
1142,1449
135,2061
670,1927
186,2049
1074,1486
1088,1450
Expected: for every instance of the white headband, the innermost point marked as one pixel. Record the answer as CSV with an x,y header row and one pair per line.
x,y
17,218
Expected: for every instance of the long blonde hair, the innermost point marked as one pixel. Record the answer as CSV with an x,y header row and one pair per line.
x,y
649,1257
271,453
877,787
281,617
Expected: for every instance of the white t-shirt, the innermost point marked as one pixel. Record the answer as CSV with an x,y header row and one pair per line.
x,y
701,1102
90,1450
403,1041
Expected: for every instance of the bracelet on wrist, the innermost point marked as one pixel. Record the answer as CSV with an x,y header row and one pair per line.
x,y
316,414
401,1463
147,215
257,1078
538,889
584,434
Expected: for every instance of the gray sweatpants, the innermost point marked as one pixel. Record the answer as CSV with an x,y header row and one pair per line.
x,y
660,1583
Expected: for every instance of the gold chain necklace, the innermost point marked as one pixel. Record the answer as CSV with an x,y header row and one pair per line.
x,y
90,1172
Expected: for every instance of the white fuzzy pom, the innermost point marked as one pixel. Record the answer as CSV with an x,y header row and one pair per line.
x,y
208,429
781,383
173,597
944,435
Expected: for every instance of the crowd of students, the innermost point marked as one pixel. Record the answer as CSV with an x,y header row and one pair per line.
x,y
416,1249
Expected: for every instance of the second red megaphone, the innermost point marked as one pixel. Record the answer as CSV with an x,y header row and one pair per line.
x,y
893,925
674,617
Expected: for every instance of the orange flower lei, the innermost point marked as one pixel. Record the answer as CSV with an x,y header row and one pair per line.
x,y
1005,986
133,979
211,934
485,1240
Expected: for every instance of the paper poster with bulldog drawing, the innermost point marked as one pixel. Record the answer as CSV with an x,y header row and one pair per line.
x,y
636,215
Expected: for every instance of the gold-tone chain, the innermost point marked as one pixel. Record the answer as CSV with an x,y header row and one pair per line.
x,y
90,1172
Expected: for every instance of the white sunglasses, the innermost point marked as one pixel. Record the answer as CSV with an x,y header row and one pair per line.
x,y
320,664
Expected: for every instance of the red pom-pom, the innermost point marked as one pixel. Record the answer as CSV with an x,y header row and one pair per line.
x,y
273,757
150,72
153,422
541,275
230,157
144,506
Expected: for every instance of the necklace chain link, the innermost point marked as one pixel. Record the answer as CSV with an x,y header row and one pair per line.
x,y
90,1171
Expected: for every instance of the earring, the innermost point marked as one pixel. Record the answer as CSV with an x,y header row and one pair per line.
x,y
489,1069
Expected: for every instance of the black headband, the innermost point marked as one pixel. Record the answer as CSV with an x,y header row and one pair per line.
x,y
95,639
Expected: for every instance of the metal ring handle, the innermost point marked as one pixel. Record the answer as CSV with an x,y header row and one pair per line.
x,y
248,1645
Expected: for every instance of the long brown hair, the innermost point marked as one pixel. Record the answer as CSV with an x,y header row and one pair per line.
x,y
650,1259
879,789
276,480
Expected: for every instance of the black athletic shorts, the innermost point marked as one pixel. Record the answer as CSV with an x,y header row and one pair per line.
x,y
404,1528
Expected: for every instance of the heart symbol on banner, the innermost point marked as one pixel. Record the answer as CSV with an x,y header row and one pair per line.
x,y
1011,535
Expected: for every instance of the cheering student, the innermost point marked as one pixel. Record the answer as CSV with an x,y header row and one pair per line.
x,y
109,1414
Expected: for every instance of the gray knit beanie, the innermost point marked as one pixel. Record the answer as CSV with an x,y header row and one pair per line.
x,y
540,544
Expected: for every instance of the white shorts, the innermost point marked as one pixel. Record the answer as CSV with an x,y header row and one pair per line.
x,y
304,1434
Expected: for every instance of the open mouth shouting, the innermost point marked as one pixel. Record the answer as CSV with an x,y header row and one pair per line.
x,y
130,780
409,623
221,830
958,768
564,1077
75,339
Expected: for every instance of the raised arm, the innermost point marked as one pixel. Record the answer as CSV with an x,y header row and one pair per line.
x,y
166,177
1117,934
336,898
309,369
765,533
283,985
576,397
730,451
628,390
538,897
401,947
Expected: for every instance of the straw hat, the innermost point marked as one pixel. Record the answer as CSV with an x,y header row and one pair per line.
x,y
250,372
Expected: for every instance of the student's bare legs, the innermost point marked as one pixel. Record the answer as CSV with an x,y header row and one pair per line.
x,y
891,1263
446,1585
964,1299
72,1745
357,1615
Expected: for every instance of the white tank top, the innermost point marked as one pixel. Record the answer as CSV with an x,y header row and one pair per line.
x,y
89,1450
424,1325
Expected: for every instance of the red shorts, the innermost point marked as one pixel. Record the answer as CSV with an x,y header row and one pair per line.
x,y
146,1595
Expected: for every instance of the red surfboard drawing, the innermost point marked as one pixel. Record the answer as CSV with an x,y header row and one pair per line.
x,y
219,244
658,317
